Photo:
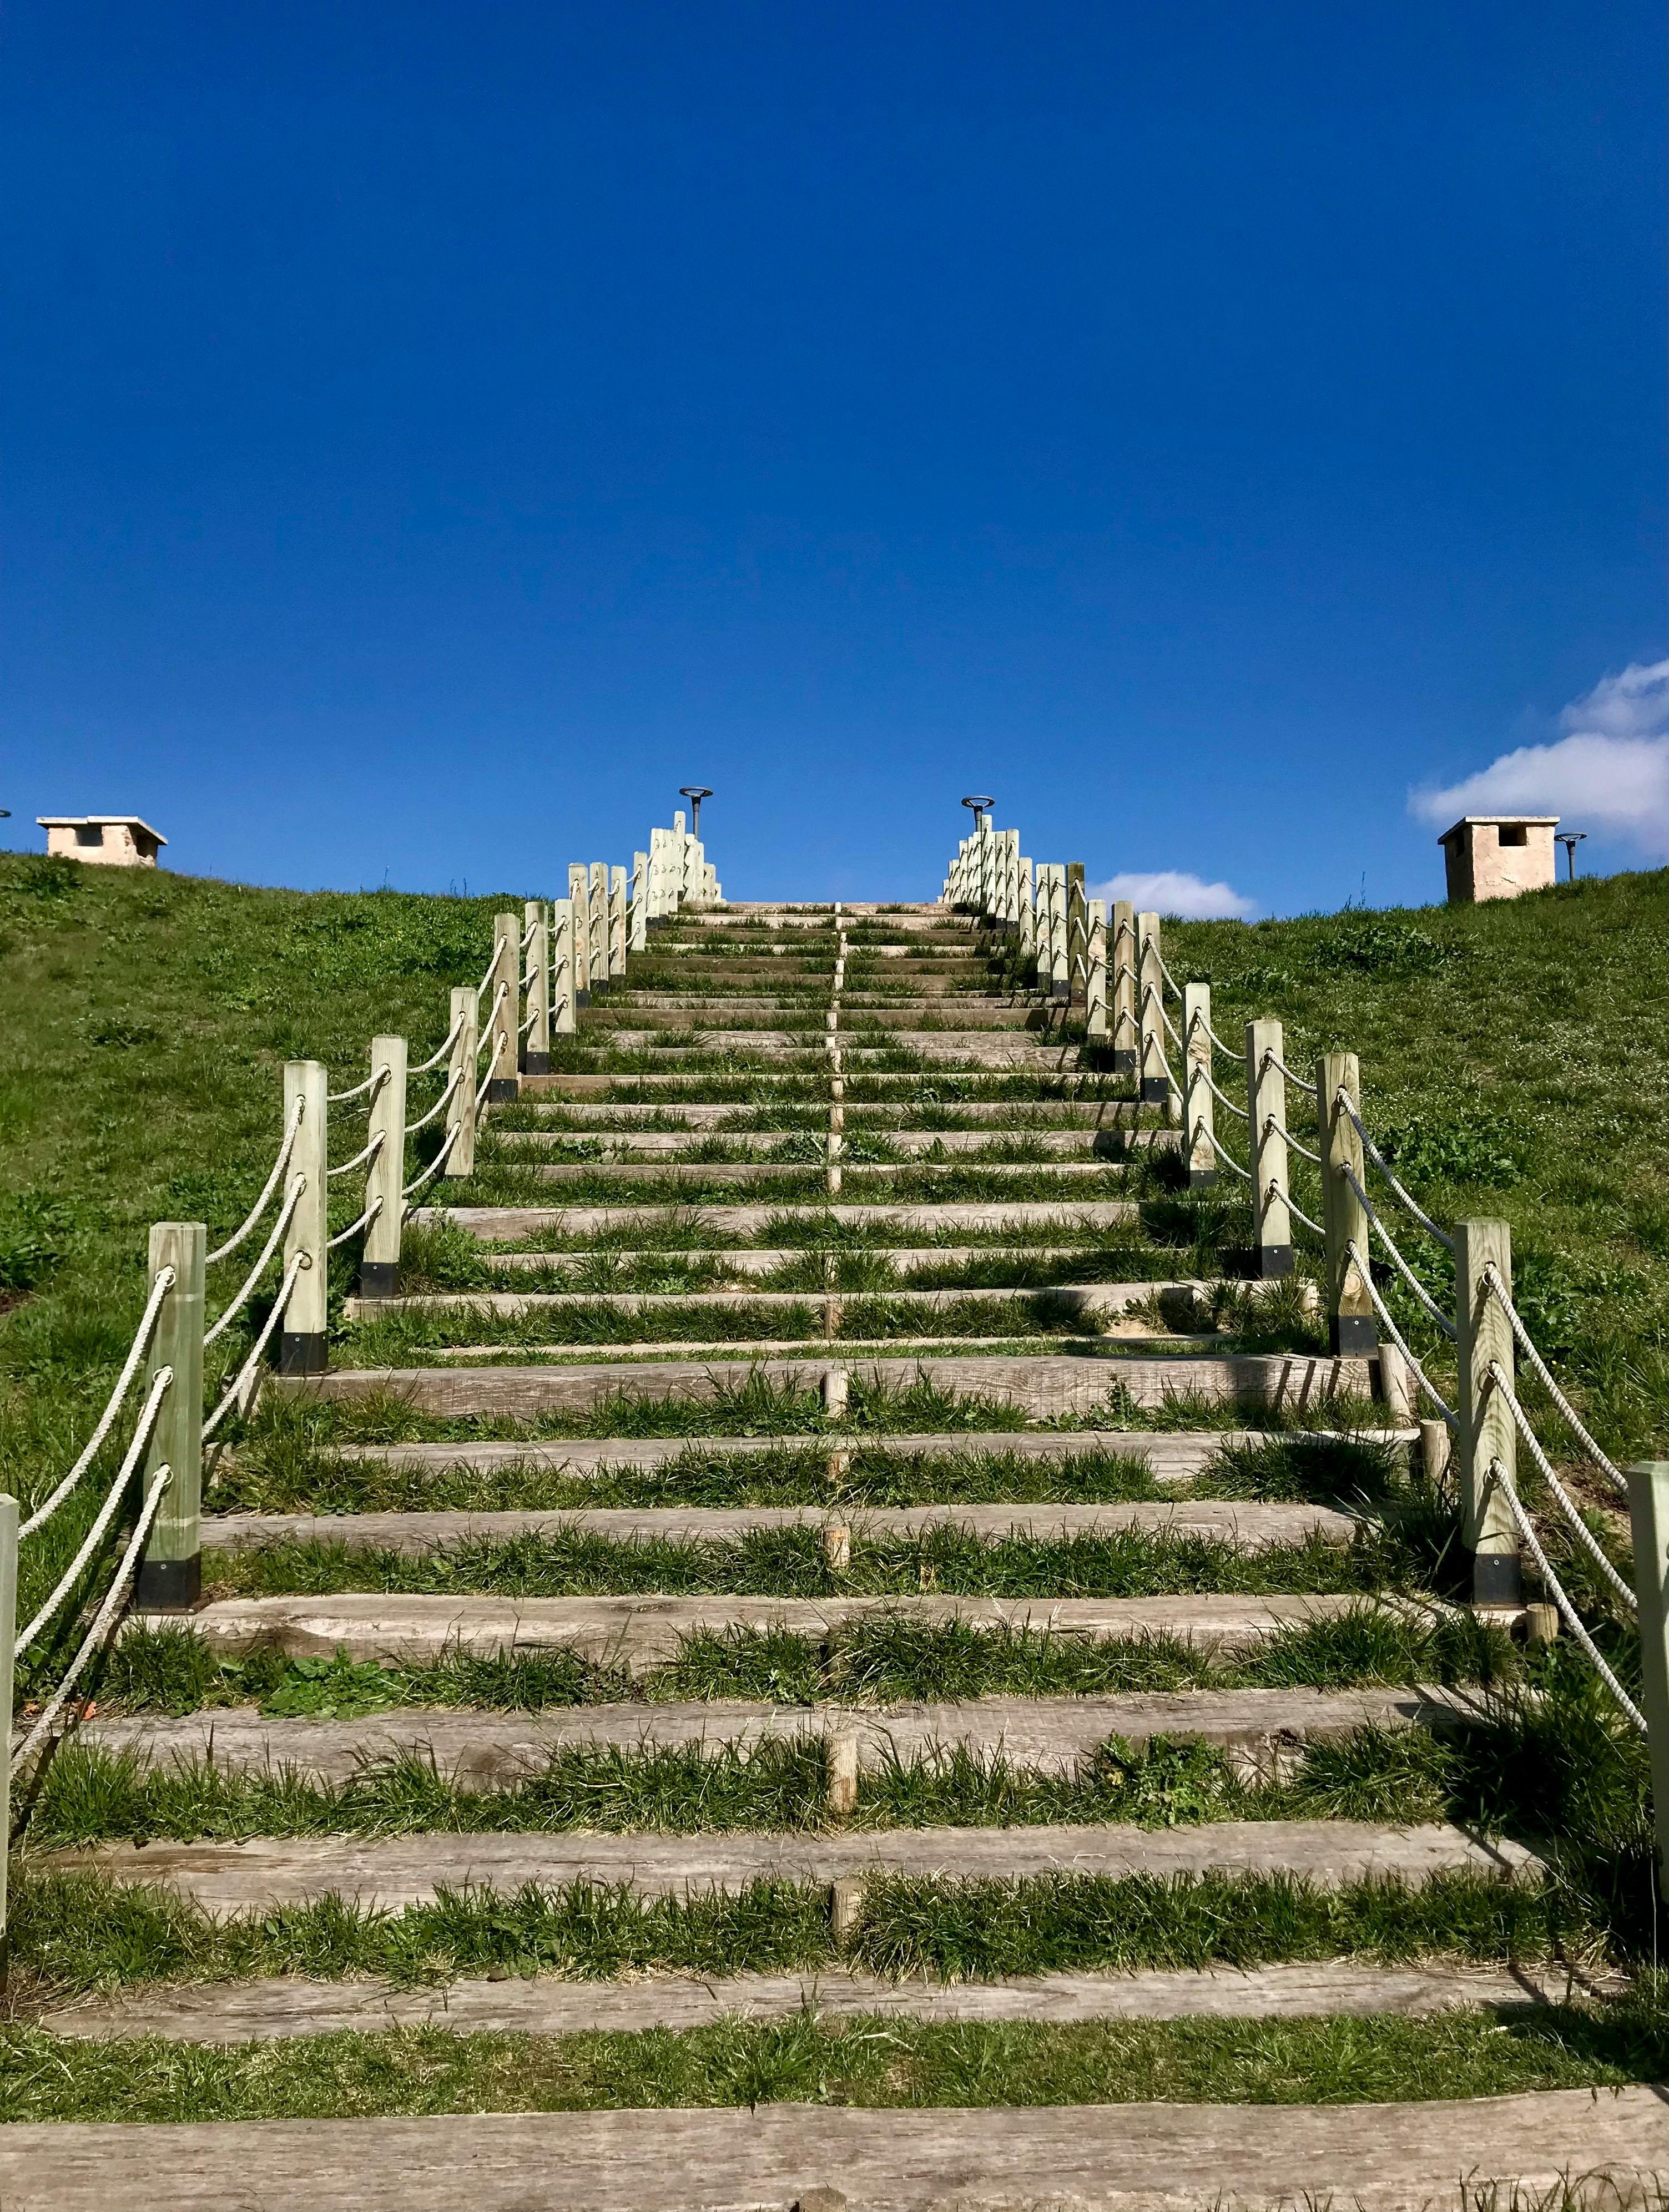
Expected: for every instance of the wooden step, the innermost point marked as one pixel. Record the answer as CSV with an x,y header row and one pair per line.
x,y
1043,1386
592,1116
388,1873
771,2157
1265,1730
651,1176
288,2005
502,1223
636,1352
1249,1527
655,1146
1078,1301
752,1259
644,1632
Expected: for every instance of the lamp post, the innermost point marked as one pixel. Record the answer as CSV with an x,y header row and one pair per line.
x,y
695,794
1570,840
979,806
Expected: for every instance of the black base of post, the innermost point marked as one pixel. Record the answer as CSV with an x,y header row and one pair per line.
x,y
1155,1090
1274,1259
168,1585
1497,1578
582,997
303,1351
535,1063
378,1278
1124,1061
1202,1178
503,1091
1353,1336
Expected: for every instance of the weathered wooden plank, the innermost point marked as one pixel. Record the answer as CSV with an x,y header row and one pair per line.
x,y
1265,1729
389,1873
1248,1527
1074,1147
285,2006
747,1261
1065,1172
640,1632
1042,1386
504,1224
1067,1300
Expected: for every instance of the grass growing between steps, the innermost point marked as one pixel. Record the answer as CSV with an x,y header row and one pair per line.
x,y
72,1933
881,2062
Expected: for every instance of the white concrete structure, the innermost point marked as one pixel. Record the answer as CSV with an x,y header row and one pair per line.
x,y
1491,856
114,841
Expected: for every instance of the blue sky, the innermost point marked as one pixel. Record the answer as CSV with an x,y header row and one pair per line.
x,y
432,434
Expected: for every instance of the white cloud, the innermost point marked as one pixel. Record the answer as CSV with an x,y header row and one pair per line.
x,y
1610,775
1170,890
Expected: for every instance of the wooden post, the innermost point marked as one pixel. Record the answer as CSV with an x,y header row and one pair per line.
x,y
597,924
1095,1005
1649,1517
1150,1012
8,1644
1266,1107
1198,1123
637,934
1484,1337
1077,946
563,1022
379,1262
536,1047
504,1008
302,1338
579,900
1435,1452
1028,910
1055,912
1352,1329
170,1577
460,1073
617,921
1124,963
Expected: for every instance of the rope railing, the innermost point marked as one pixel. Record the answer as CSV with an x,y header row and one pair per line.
x,y
114,1599
240,1386
439,1107
502,992
1176,988
1567,1411
1272,1058
485,1083
433,1168
1238,1058
354,1227
1420,1292
1203,1069
373,1083
1556,1589
1226,1157
1293,1207
427,1066
1384,1166
1352,1252
160,1286
259,1207
1500,1382
286,1214
360,1159
161,1381
1302,1150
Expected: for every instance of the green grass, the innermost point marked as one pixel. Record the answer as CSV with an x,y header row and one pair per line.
x,y
881,2063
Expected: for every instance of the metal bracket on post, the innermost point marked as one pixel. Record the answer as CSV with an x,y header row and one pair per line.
x,y
1648,1516
1352,1329
302,1341
170,1577
1266,1110
379,1263
1489,1437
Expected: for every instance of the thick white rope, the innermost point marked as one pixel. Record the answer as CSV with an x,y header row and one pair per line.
x,y
1158,999
1176,988
1228,1158
246,1374
1420,1292
528,1024
1556,1589
1204,1070
485,1083
1384,1167
292,1200
373,1082
1493,1283
259,1207
440,1105
1303,1151
435,1058
433,1168
1399,1339
1272,1058
1238,1058
354,1227
1294,1208
502,992
162,1285
360,1159
1500,1381
159,1388
481,987
115,1598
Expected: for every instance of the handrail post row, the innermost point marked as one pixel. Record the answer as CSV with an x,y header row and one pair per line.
x,y
1266,1110
1123,962
1649,1517
1028,910
1484,1339
1077,948
1095,985
1352,1329
302,1339
380,1262
563,1021
504,1009
596,908
9,1517
579,899
536,1052
170,1577
637,934
617,921
461,1075
1150,1012
1199,1124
